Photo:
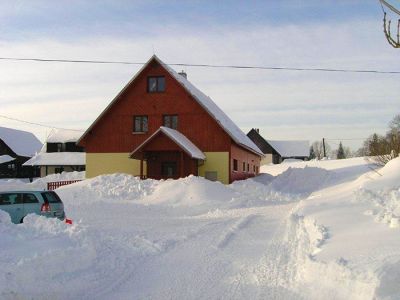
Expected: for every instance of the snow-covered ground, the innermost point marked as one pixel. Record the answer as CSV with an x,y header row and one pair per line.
x,y
315,230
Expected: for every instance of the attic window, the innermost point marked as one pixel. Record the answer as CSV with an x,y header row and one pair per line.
x,y
156,84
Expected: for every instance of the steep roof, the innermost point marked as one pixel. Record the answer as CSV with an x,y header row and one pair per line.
x,y
21,142
57,159
177,137
63,136
291,148
6,158
206,102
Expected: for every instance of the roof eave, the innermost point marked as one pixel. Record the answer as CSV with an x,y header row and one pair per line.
x,y
154,57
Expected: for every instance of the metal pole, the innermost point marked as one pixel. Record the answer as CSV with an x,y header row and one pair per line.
x,y
323,145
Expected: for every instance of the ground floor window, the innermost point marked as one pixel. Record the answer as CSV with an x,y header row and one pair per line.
x,y
58,170
235,165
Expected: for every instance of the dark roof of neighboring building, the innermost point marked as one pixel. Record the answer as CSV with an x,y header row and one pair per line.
x,y
295,148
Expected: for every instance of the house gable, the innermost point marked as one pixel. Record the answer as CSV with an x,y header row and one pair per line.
x,y
113,130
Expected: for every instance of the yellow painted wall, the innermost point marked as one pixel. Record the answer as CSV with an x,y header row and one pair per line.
x,y
216,161
266,160
108,163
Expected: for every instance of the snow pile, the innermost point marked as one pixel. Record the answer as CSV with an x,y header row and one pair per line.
x,y
41,248
39,183
383,194
4,217
301,234
301,181
115,187
190,191
385,206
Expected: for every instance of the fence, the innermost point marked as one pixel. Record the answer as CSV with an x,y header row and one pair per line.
x,y
56,184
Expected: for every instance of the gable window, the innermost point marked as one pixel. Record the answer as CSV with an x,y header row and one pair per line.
x,y
170,121
140,124
156,84
235,165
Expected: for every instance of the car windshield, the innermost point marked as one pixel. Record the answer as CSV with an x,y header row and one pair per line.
x,y
51,197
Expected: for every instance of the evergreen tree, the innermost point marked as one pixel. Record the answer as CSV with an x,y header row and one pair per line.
x,y
312,153
340,152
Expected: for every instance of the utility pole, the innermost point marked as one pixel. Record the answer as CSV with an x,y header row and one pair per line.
x,y
323,145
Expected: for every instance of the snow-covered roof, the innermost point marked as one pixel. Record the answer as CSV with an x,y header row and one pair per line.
x,y
23,143
218,114
181,140
206,102
291,148
5,158
57,159
63,136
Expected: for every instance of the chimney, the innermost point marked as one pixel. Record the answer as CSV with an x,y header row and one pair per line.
x,y
183,73
257,130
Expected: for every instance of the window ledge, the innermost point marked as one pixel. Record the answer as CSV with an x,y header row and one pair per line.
x,y
139,132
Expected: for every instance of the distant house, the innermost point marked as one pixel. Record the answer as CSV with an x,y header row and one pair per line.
x,y
161,126
16,147
277,151
59,153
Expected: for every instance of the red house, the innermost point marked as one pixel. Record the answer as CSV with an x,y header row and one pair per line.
x,y
161,126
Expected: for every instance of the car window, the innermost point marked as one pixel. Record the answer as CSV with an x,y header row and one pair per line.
x,y
51,197
11,198
30,198
4,199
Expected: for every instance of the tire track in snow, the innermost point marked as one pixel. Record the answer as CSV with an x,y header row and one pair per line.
x,y
229,234
125,270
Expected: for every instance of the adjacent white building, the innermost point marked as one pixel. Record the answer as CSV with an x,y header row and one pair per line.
x,y
60,153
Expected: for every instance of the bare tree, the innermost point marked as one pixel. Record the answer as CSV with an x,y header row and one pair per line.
x,y
393,41
319,149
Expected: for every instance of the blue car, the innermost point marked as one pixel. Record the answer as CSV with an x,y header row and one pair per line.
x,y
20,203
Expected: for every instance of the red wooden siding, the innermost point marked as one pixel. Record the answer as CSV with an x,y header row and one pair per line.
x,y
242,155
114,132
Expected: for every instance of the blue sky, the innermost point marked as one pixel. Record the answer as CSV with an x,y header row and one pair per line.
x,y
284,105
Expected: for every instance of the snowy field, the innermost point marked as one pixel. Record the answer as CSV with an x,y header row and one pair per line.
x,y
316,230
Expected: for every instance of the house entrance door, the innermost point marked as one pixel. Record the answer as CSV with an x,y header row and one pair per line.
x,y
169,169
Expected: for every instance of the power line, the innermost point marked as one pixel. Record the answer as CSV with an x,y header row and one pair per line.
x,y
348,139
37,124
203,65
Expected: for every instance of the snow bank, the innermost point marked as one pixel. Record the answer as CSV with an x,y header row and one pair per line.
x,y
190,191
114,187
35,253
301,181
39,183
382,193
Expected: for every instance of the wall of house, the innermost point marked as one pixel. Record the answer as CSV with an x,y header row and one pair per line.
x,y
112,137
247,157
216,162
108,163
266,160
114,132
